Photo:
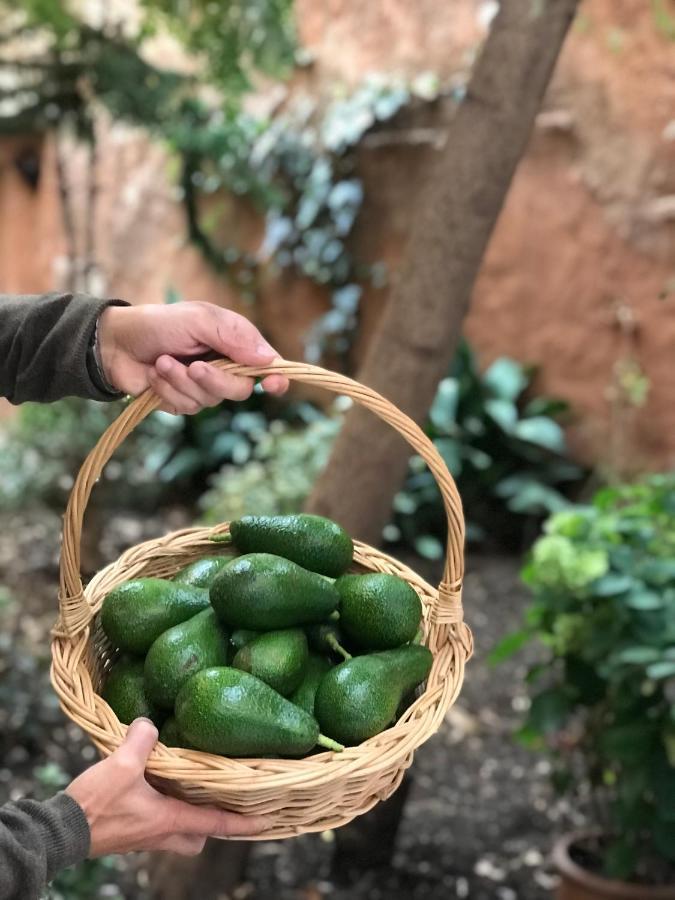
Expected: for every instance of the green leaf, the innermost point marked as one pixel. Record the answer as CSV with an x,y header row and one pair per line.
x,y
545,406
571,523
612,584
185,463
659,572
429,547
534,498
661,670
451,452
529,737
508,646
443,412
478,458
638,655
559,563
644,600
541,431
505,378
503,412
549,711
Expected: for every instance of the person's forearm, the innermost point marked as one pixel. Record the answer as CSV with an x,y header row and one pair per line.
x,y
44,344
36,841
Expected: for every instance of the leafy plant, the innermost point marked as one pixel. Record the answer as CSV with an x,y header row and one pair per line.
x,y
45,444
299,169
603,699
279,474
43,447
234,39
56,67
504,447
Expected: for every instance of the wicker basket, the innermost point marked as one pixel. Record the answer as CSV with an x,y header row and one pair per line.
x,y
322,791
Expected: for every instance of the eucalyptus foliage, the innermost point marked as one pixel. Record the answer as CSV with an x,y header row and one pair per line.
x,y
603,698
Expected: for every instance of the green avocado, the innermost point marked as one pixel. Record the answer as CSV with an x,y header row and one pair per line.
x,y
179,652
202,572
230,712
135,613
314,542
170,736
304,695
266,593
326,637
359,698
279,658
124,692
378,611
242,636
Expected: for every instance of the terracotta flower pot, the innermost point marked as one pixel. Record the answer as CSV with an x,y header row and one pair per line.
x,y
577,883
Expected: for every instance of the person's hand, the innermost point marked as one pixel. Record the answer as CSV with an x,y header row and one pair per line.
x,y
139,346
125,814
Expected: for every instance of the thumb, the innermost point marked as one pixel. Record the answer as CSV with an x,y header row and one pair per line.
x,y
236,338
139,743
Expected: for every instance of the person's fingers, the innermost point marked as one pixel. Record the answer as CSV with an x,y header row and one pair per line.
x,y
234,336
275,384
223,385
184,844
179,377
240,826
173,401
206,820
138,744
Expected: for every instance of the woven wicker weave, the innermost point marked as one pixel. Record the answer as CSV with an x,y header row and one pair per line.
x,y
325,790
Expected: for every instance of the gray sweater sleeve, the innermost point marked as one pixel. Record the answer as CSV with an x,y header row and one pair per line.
x,y
45,343
36,841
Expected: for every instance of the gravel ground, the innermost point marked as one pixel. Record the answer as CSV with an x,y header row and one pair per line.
x,y
479,819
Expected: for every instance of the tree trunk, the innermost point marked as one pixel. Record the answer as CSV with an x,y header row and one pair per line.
x,y
420,327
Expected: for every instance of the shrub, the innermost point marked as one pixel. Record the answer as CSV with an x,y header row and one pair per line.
x,y
503,445
603,699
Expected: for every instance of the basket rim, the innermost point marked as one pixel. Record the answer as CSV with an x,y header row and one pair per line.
x,y
250,775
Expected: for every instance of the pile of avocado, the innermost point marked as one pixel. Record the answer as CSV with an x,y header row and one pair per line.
x,y
274,652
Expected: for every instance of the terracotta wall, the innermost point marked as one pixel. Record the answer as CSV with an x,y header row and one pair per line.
x,y
581,269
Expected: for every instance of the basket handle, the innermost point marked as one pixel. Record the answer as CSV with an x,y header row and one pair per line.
x,y
75,612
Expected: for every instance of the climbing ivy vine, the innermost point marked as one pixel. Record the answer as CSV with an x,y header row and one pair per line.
x,y
299,168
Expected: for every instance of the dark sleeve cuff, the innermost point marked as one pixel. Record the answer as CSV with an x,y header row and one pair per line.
x,y
45,344
37,840
67,836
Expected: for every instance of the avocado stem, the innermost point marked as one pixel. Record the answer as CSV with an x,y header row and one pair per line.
x,y
329,744
334,644
419,636
221,538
